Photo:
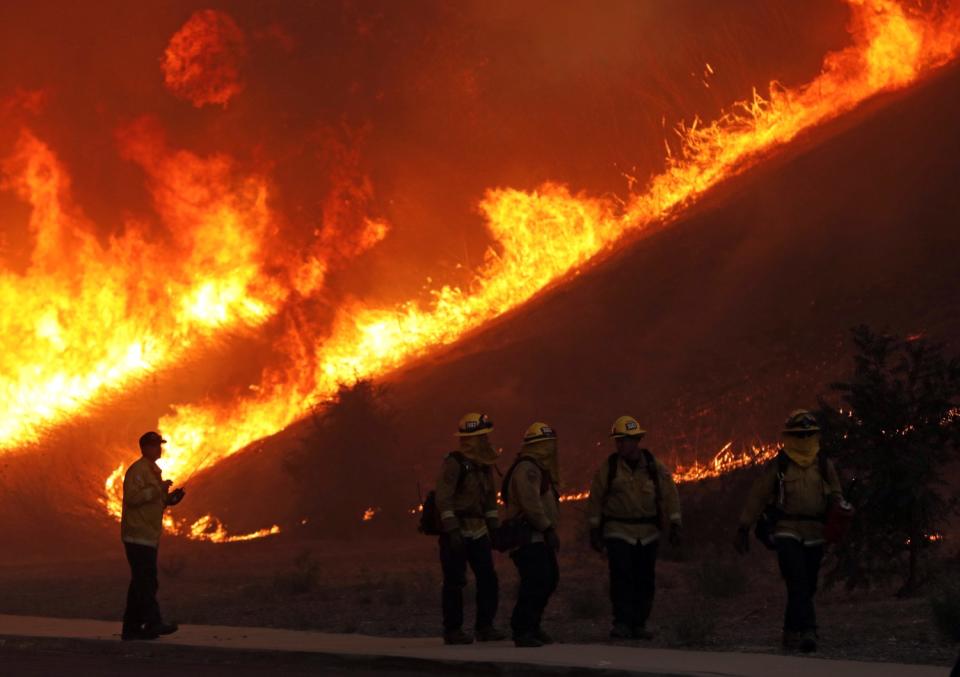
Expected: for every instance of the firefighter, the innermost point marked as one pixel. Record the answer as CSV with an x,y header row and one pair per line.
x,y
145,496
795,490
632,499
532,512
467,500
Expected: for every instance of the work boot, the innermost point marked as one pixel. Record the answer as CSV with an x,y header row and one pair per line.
x,y
791,640
621,631
641,632
163,628
543,637
528,641
808,641
457,637
490,634
142,634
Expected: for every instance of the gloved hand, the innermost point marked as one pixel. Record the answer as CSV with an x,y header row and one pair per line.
x,y
742,541
455,539
676,534
166,485
596,539
551,539
176,496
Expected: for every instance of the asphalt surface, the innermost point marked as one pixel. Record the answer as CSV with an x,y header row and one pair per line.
x,y
38,663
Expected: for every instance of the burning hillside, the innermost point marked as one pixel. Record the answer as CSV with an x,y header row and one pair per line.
x,y
208,249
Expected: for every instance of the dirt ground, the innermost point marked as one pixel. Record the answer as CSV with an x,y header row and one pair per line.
x,y
705,599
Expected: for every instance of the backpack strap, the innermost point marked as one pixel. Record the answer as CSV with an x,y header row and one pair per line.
x,y
546,482
783,462
466,465
612,462
655,478
505,486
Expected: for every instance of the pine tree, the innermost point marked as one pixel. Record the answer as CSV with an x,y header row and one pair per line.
x,y
896,429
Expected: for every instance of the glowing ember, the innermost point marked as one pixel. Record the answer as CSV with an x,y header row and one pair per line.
x,y
893,46
370,513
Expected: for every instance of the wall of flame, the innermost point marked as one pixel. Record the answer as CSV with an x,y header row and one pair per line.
x,y
86,316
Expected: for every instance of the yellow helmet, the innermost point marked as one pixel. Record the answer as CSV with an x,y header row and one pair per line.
x,y
627,426
539,431
801,422
474,424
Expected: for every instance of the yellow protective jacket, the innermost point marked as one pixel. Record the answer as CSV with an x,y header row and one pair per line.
x,y
468,506
806,492
540,510
144,499
632,496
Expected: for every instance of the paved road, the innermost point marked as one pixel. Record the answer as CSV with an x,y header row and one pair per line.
x,y
213,647
33,663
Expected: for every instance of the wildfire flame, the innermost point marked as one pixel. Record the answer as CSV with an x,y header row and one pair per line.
x,y
70,336
206,528
725,461
893,45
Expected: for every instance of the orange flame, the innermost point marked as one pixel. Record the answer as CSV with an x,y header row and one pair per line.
x,y
725,461
548,234
69,326
206,528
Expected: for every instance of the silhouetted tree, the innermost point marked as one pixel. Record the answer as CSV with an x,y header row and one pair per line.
x,y
895,430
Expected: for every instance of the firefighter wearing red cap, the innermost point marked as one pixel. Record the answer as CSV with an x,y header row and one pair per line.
x,y
145,496
533,512
632,499
467,500
793,494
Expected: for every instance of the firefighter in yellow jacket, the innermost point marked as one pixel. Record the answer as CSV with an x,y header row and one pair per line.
x,y
632,499
467,500
145,496
798,487
533,512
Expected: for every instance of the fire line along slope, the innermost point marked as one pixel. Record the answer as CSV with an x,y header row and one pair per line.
x,y
709,331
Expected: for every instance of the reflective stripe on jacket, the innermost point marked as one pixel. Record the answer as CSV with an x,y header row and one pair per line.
x,y
469,507
806,492
632,496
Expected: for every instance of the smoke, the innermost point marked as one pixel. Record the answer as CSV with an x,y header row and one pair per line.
x,y
203,60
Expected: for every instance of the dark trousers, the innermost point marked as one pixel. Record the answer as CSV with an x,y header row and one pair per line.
x,y
632,580
142,608
479,555
800,568
539,575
